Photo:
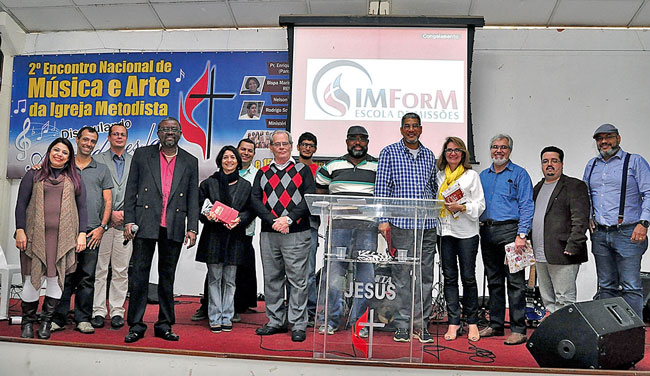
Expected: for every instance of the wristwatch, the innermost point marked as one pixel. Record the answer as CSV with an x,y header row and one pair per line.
x,y
105,227
644,223
289,220
522,235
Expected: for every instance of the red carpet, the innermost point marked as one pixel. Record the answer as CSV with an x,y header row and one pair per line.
x,y
243,340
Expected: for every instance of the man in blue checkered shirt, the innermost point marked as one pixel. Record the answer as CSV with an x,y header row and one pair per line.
x,y
407,169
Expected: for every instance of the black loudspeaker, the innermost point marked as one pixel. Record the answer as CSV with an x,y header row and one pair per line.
x,y
605,334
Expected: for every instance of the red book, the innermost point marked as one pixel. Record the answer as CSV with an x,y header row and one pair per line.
x,y
223,212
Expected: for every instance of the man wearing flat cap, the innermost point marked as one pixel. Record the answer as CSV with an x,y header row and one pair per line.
x,y
619,187
351,174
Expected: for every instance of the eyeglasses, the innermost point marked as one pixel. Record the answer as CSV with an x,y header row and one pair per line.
x,y
306,145
499,147
411,126
456,150
169,130
605,137
278,144
358,138
554,161
118,134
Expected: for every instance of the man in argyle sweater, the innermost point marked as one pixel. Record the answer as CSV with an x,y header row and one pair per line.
x,y
278,199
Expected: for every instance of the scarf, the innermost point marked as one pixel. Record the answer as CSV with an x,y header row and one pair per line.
x,y
450,179
68,231
224,185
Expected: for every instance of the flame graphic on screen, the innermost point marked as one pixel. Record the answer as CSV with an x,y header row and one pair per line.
x,y
336,97
192,132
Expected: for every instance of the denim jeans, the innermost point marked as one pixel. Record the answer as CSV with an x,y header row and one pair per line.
x,y
618,264
402,276
493,242
457,252
81,283
557,284
355,236
221,287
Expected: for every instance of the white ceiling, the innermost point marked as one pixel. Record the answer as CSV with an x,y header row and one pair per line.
x,y
64,15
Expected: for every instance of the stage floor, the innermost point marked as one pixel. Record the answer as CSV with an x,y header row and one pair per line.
x,y
243,342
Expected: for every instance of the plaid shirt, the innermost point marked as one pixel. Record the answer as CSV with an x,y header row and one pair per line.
x,y
400,175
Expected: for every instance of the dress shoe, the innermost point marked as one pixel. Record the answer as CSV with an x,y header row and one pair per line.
x,y
97,321
515,339
167,335
133,337
199,315
298,335
491,332
270,330
117,322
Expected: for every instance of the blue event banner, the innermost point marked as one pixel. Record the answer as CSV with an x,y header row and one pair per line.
x,y
218,97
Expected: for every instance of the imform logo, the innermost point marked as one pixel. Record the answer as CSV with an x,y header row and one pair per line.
x,y
326,90
375,89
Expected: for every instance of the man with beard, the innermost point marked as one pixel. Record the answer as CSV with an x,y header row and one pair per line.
x,y
407,169
307,146
98,183
507,217
352,174
620,216
559,230
162,193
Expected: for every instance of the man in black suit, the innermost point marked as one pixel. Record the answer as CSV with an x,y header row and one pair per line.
x,y
161,194
559,230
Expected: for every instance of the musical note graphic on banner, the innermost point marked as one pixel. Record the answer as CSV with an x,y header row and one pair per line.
x,y
45,128
23,143
181,75
18,106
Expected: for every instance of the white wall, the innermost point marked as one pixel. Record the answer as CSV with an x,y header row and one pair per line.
x,y
542,87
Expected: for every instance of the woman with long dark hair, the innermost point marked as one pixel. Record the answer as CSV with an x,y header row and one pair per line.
x,y
51,219
222,245
458,228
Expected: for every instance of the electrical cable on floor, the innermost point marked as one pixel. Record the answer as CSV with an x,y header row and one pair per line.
x,y
476,354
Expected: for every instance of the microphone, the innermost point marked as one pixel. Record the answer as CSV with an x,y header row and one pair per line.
x,y
134,230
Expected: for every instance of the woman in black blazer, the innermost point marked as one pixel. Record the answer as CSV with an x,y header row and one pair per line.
x,y
222,244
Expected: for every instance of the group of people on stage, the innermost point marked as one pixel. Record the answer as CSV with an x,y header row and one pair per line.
x,y
78,215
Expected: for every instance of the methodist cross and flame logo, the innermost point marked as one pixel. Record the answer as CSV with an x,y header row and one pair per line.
x,y
202,89
328,83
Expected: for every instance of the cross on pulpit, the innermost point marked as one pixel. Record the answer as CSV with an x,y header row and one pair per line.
x,y
371,325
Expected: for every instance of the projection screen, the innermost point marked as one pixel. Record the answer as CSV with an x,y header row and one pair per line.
x,y
372,70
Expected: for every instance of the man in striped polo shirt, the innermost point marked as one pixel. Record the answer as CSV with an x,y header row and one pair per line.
x,y
352,174
278,198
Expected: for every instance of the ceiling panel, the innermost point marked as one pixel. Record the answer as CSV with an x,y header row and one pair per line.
x,y
505,12
332,7
109,2
52,18
124,16
267,13
57,15
34,3
428,7
595,12
174,15
643,16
